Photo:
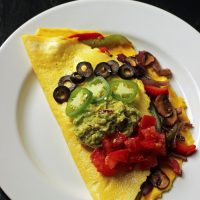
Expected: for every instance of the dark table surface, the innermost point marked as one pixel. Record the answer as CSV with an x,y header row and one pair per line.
x,y
14,13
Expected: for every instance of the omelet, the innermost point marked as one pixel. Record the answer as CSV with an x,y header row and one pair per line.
x,y
53,56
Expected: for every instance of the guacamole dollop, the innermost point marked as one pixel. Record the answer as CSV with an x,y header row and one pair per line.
x,y
104,119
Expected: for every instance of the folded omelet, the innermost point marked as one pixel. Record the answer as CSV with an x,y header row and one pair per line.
x,y
53,56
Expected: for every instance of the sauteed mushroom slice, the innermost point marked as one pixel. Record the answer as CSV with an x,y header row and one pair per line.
x,y
165,72
163,106
139,196
148,81
159,179
131,60
146,59
161,72
170,121
146,187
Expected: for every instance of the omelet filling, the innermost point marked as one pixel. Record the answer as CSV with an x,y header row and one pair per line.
x,y
103,119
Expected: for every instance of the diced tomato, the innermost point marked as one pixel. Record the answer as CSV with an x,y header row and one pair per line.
x,y
114,142
107,145
120,153
147,121
110,162
184,149
133,144
148,133
87,36
136,157
98,159
155,143
114,157
119,139
149,162
155,91
124,167
148,145
143,161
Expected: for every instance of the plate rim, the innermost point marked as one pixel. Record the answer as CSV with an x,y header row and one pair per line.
x,y
12,36
86,1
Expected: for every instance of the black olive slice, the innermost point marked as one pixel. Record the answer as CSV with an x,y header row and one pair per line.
x,y
126,71
159,179
61,94
103,69
114,66
139,71
77,78
84,69
65,80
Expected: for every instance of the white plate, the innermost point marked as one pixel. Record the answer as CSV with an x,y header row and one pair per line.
x,y
35,161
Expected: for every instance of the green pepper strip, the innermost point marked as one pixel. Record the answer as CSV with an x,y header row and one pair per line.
x,y
78,101
156,115
124,90
110,41
99,87
171,134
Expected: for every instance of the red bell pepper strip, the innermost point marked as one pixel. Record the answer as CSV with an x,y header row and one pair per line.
x,y
184,149
174,165
103,49
155,91
87,36
171,163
